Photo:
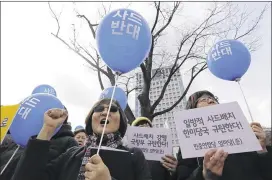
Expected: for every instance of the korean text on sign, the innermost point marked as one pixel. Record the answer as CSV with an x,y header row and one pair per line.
x,y
154,142
218,126
126,22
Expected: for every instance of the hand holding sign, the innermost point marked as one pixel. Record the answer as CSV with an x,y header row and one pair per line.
x,y
213,163
260,134
169,162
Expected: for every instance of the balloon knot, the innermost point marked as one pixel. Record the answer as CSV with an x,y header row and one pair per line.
x,y
237,79
118,73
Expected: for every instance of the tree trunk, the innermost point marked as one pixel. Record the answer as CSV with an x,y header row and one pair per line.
x,y
129,114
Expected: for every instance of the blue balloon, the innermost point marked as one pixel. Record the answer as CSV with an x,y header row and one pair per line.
x,y
29,118
229,59
44,88
123,39
119,96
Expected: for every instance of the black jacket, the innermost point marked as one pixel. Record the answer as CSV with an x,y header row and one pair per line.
x,y
7,148
242,166
33,164
61,141
158,172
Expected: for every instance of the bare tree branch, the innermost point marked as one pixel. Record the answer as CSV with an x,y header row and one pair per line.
x,y
183,94
157,15
55,17
176,5
223,21
91,26
254,25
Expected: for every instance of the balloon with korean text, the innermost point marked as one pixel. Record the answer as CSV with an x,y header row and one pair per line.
x,y
229,60
29,118
44,88
123,39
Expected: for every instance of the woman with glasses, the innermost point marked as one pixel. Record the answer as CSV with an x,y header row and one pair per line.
x,y
79,163
219,165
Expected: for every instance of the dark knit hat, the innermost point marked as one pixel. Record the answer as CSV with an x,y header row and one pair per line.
x,y
192,101
141,120
123,118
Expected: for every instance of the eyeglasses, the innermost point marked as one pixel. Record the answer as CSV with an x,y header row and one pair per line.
x,y
100,108
206,99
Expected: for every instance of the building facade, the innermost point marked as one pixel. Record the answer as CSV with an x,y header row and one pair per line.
x,y
173,92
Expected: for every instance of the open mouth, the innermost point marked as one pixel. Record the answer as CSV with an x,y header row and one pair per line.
x,y
103,121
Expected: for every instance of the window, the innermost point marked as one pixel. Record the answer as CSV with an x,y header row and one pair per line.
x,y
161,125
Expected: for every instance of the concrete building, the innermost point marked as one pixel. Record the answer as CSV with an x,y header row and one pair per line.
x,y
173,92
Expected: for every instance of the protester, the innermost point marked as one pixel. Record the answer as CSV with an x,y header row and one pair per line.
x,y
59,143
69,166
62,140
217,164
7,149
159,170
80,135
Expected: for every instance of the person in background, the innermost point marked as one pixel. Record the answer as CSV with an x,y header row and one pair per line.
x,y
80,135
59,143
7,149
78,163
159,170
219,165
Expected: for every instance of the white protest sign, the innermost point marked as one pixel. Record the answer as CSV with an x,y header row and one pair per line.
x,y
219,126
154,142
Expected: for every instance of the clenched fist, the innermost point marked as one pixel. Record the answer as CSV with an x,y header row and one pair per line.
x,y
53,118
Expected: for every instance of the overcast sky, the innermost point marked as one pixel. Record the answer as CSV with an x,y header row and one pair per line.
x,y
31,56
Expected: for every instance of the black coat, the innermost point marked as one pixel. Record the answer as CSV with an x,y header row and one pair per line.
x,y
158,172
241,166
33,164
7,148
59,143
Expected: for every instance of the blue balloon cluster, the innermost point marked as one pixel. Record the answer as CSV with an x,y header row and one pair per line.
x,y
229,59
29,118
44,88
123,39
119,95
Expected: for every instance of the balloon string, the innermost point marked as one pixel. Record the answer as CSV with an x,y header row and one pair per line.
x,y
10,159
245,100
103,132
